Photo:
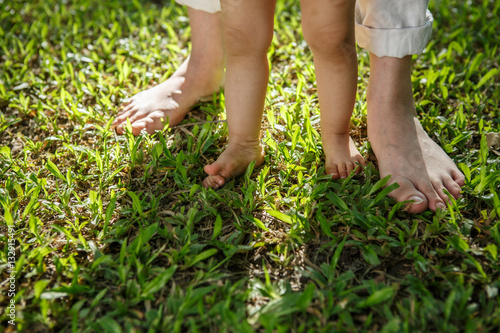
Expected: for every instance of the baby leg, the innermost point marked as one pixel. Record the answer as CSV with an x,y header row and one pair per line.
x,y
328,27
248,32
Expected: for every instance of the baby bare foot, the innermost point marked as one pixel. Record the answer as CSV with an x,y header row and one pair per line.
x,y
420,167
170,100
341,155
232,163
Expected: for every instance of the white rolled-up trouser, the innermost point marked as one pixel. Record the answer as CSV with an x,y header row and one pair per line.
x,y
387,28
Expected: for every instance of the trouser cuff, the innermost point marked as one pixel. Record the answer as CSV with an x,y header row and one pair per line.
x,y
397,42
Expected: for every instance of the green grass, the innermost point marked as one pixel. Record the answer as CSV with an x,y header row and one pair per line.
x,y
115,232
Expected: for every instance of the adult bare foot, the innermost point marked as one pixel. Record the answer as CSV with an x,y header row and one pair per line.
x,y
341,155
402,147
232,163
199,76
170,100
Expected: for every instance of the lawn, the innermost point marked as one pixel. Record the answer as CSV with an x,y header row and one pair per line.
x,y
114,233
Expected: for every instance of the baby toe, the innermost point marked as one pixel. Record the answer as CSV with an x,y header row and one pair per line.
x,y
333,171
350,166
342,167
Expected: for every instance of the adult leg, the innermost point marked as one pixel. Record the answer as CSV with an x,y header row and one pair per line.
x,y
200,75
392,32
248,32
328,28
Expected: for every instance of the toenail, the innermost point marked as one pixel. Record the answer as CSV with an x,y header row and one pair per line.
x,y
416,200
440,205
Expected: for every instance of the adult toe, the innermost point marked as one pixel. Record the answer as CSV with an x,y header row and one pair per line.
x,y
150,124
136,115
121,118
434,199
125,109
440,189
452,186
407,191
127,102
140,125
458,177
